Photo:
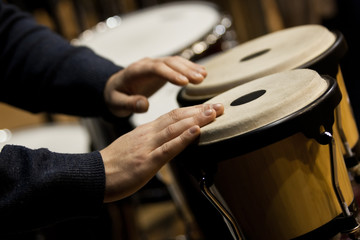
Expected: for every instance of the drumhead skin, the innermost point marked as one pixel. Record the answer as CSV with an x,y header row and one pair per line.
x,y
158,31
263,101
278,51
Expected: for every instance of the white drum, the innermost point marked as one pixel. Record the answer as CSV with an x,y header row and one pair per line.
x,y
185,28
61,137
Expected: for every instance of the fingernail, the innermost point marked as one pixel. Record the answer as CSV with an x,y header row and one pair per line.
x,y
183,79
193,129
201,70
208,111
198,75
217,106
140,104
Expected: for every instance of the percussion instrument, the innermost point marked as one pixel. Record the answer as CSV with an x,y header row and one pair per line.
x,y
188,29
270,165
307,46
57,137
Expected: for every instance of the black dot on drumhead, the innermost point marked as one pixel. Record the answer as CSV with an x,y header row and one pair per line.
x,y
248,98
254,55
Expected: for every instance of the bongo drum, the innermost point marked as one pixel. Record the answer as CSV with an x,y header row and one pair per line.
x,y
307,46
270,165
189,29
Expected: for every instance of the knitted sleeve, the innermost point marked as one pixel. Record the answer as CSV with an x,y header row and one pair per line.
x,y
39,187
40,71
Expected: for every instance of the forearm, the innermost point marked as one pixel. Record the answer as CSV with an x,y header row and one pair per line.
x,y
39,187
40,71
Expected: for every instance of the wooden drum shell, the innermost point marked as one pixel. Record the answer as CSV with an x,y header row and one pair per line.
x,y
346,120
283,190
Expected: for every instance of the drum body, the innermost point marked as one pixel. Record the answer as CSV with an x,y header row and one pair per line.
x,y
308,46
267,162
284,190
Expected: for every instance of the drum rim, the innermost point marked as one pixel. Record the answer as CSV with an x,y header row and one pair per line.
x,y
327,62
287,126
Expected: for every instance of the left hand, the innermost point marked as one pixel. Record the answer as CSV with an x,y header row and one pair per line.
x,y
134,158
126,91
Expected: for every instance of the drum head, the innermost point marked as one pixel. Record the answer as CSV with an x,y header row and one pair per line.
x,y
279,51
153,32
263,101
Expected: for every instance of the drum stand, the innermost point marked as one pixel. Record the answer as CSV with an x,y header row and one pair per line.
x,y
229,219
350,157
349,224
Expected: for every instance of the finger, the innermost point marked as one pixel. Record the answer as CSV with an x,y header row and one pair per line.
x,y
186,112
176,70
174,130
170,149
193,72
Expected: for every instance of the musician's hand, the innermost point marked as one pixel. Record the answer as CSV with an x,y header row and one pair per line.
x,y
134,158
126,91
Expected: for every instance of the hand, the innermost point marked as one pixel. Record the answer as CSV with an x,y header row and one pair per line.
x,y
126,91
134,158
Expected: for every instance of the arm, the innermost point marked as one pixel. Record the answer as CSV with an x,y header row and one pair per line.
x,y
40,71
39,187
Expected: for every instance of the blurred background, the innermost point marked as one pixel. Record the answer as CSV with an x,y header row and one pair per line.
x,y
152,213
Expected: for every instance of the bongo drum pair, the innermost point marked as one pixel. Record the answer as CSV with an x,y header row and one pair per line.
x,y
270,165
307,46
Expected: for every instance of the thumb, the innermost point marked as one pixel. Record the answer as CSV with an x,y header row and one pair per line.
x,y
125,105
140,102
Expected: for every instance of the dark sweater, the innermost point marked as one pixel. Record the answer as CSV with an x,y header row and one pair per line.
x,y
40,71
